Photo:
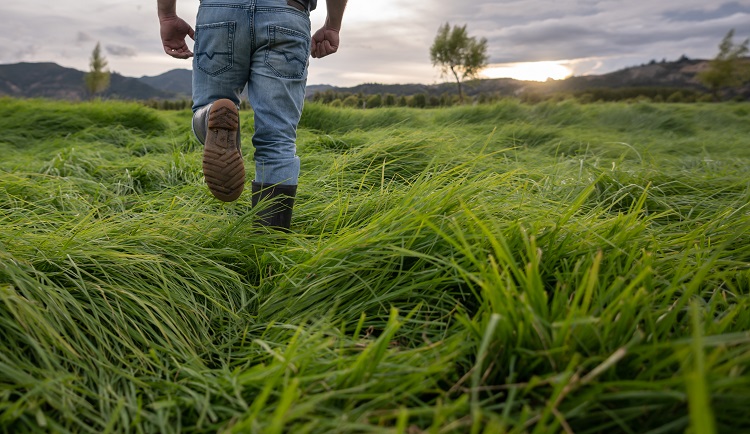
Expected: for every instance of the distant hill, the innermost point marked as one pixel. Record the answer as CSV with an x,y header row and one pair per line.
x,y
680,74
506,86
49,80
178,81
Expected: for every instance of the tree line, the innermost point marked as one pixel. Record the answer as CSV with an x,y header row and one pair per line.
x,y
423,100
463,57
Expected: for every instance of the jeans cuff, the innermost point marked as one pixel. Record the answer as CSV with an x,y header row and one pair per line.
x,y
282,171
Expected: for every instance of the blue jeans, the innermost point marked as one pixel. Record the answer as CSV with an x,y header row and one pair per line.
x,y
264,44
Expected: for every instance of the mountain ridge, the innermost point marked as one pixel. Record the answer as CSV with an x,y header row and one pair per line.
x,y
680,74
50,80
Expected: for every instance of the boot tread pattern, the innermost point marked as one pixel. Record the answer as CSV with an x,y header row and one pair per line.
x,y
223,167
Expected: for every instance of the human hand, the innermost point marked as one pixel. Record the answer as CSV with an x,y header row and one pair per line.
x,y
324,42
173,31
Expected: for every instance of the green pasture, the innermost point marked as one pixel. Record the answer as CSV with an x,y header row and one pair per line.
x,y
549,268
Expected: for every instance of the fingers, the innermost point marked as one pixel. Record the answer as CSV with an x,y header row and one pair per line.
x,y
173,32
324,42
329,48
182,52
323,49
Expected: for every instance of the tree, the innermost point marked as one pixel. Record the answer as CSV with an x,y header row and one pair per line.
x,y
374,101
419,100
729,68
455,51
350,101
97,79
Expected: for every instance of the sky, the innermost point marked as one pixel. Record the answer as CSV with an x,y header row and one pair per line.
x,y
388,41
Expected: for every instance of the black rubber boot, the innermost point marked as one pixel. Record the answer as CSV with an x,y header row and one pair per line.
x,y
278,213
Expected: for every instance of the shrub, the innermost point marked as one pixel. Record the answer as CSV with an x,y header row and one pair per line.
x,y
351,101
374,101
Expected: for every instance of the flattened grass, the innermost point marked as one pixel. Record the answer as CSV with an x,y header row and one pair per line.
x,y
506,268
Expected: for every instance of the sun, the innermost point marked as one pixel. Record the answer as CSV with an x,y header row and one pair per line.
x,y
529,71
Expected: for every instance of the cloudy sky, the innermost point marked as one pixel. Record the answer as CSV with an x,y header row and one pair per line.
x,y
388,41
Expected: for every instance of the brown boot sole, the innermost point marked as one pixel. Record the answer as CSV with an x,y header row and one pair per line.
x,y
223,167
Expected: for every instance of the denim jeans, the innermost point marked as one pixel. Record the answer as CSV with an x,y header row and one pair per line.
x,y
264,44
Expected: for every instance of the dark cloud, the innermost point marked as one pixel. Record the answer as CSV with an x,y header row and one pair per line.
x,y
601,29
121,51
696,15
595,35
83,37
123,31
591,36
558,32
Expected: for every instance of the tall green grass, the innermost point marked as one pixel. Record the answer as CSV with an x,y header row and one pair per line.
x,y
507,268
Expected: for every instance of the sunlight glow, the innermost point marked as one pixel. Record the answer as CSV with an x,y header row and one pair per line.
x,y
530,71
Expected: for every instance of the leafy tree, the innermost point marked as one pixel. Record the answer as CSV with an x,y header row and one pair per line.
x,y
455,51
374,101
676,97
97,79
350,101
729,68
419,100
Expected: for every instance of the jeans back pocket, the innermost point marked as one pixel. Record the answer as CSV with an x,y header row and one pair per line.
x,y
214,47
287,52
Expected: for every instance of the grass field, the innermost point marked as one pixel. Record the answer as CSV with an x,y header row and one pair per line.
x,y
507,268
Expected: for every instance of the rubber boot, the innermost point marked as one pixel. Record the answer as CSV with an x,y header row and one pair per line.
x,y
217,127
278,213
200,123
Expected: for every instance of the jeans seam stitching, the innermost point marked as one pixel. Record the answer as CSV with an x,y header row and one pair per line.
x,y
272,39
230,27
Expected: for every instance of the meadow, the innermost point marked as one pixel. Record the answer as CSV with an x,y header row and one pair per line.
x,y
557,267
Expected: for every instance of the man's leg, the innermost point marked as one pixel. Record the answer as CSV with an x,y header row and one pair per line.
x,y
222,57
276,92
